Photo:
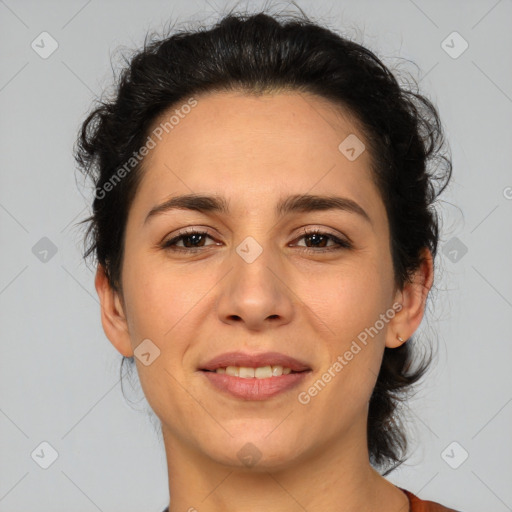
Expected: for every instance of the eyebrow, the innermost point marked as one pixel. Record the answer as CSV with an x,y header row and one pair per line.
x,y
299,203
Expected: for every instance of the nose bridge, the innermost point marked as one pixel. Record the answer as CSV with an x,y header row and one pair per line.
x,y
252,275
255,293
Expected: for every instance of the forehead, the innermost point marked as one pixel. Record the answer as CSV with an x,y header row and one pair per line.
x,y
252,148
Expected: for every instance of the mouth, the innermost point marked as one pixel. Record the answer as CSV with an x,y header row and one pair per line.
x,y
261,372
253,376
263,365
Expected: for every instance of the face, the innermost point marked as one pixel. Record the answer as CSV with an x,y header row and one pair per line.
x,y
254,280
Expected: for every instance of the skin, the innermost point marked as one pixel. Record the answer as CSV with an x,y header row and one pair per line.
x,y
253,151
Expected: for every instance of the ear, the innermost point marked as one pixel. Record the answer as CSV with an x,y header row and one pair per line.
x,y
113,316
413,298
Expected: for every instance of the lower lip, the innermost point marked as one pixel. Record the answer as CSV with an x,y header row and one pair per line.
x,y
254,389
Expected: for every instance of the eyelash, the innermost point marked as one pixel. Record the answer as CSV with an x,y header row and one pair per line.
x,y
170,244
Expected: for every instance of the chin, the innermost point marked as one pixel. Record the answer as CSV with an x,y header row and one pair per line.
x,y
255,453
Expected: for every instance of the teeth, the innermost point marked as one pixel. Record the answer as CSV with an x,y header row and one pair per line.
x,y
263,372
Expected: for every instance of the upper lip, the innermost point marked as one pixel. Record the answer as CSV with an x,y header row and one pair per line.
x,y
255,361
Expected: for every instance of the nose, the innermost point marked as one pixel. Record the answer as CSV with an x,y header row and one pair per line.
x,y
257,294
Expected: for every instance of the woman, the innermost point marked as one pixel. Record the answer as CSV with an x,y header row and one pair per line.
x,y
264,230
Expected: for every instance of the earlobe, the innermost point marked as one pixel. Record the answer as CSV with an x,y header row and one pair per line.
x,y
396,342
113,317
413,299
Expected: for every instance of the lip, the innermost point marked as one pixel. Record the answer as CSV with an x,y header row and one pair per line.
x,y
254,389
254,361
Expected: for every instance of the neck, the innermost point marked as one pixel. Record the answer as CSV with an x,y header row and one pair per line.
x,y
332,479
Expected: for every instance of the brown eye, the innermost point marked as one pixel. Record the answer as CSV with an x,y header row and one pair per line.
x,y
192,240
319,239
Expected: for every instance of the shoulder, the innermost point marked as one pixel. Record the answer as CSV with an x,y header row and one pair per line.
x,y
418,505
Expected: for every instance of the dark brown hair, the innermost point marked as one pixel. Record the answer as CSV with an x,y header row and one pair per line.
x,y
256,54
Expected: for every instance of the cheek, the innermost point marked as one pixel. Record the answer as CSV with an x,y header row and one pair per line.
x,y
347,298
349,303
354,342
151,300
161,300
159,306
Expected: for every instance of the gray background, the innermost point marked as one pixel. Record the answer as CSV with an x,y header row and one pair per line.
x,y
59,375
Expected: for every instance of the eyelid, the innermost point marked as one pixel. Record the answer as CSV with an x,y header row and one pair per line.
x,y
304,230
324,231
192,230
